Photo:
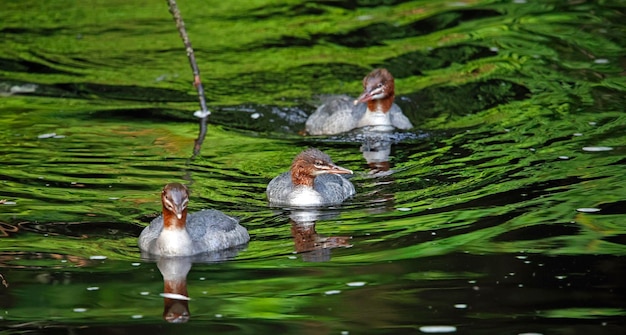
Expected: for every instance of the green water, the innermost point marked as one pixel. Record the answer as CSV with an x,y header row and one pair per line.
x,y
480,223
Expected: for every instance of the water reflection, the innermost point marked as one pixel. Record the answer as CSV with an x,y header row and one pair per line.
x,y
313,246
174,271
175,296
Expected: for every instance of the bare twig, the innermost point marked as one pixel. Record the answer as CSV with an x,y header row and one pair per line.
x,y
204,112
4,282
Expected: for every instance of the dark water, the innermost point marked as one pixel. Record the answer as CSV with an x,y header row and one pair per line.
x,y
503,212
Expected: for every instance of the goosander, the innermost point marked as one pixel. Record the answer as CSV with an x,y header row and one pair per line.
x,y
374,107
176,234
313,180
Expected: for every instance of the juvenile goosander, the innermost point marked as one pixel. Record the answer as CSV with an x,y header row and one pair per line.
x,y
176,234
374,107
313,180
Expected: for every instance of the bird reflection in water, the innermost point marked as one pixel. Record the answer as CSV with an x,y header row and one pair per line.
x,y
174,271
313,246
175,297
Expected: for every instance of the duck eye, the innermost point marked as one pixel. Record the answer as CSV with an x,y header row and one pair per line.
x,y
380,85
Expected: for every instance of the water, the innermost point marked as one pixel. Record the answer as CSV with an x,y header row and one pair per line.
x,y
501,213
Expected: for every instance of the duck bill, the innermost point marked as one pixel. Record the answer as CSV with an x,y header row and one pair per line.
x,y
364,97
179,212
336,169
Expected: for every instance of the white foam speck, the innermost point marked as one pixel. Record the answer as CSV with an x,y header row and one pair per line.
x,y
144,293
218,315
47,135
588,210
255,116
563,157
9,203
137,316
601,61
80,310
356,283
596,149
135,264
404,209
330,292
292,257
175,296
460,306
577,134
437,329
93,288
97,257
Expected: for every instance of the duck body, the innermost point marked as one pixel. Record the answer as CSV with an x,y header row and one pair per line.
x,y
177,234
328,189
313,180
374,108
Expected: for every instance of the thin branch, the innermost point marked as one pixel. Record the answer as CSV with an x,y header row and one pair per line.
x,y
204,112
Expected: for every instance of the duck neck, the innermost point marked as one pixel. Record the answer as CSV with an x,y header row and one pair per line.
x,y
380,105
171,222
300,176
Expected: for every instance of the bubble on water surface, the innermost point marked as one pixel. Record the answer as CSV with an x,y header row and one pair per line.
x,y
597,149
437,329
